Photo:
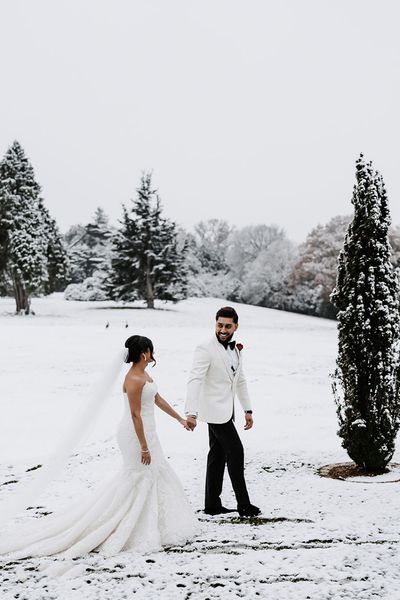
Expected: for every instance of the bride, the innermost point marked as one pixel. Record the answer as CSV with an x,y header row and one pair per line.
x,y
141,509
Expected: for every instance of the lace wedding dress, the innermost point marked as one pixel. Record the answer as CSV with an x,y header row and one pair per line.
x,y
141,509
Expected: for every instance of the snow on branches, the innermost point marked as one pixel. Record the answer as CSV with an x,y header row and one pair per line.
x,y
32,255
366,380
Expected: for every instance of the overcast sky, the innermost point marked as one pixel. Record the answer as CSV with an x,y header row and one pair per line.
x,y
253,110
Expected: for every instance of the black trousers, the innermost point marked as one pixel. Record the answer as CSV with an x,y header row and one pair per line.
x,y
225,449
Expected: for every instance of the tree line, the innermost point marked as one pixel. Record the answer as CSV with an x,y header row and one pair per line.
x,y
148,256
256,264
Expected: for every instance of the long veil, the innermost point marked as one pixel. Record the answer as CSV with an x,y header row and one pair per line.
x,y
29,490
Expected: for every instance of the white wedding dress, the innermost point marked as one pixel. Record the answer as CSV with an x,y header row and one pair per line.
x,y
141,509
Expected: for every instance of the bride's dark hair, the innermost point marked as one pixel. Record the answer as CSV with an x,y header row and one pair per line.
x,y
137,344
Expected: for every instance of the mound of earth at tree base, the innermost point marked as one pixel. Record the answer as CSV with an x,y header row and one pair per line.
x,y
349,471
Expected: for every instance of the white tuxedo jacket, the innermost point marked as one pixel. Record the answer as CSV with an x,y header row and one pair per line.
x,y
212,384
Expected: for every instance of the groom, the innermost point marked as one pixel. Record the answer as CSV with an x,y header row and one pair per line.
x,y
215,379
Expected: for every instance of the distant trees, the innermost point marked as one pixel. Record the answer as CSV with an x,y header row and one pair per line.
x,y
210,241
148,262
32,254
367,377
250,265
261,257
208,271
265,279
248,243
258,264
89,247
90,250
313,275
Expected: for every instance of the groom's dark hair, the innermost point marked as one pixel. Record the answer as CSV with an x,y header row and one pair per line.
x,y
228,312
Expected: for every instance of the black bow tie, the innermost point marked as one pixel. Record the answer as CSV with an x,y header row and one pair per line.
x,y
231,345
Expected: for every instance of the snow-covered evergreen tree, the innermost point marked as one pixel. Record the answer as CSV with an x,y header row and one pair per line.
x,y
148,263
31,253
89,247
57,260
366,380
90,253
99,239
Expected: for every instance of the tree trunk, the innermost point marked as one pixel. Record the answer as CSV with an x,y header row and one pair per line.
x,y
149,290
150,296
22,300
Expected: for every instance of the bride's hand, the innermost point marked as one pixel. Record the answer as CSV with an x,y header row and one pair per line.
x,y
185,424
146,457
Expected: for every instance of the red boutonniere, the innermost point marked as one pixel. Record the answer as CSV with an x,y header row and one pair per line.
x,y
239,347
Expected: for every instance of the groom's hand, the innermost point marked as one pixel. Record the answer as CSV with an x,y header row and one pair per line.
x,y
191,422
249,420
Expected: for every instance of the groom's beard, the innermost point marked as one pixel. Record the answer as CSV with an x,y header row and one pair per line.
x,y
226,340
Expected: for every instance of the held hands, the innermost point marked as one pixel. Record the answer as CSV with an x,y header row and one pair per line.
x,y
185,424
249,420
191,422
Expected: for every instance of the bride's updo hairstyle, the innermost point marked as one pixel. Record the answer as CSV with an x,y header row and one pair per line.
x,y
136,345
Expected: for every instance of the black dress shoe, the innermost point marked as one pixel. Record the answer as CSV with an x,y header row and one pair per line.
x,y
248,510
220,510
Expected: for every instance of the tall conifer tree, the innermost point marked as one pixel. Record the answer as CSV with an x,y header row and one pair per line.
x,y
56,254
32,257
366,382
89,248
147,263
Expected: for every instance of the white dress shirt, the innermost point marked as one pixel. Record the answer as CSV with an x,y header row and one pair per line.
x,y
233,357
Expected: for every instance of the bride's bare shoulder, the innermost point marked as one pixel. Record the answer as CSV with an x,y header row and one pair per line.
x,y
133,382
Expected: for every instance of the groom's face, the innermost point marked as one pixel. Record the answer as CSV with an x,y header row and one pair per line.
x,y
225,328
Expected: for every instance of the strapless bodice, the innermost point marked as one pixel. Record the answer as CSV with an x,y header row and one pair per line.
x,y
126,435
147,401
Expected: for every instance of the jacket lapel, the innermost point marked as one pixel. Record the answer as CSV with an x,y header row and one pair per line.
x,y
239,365
239,354
224,356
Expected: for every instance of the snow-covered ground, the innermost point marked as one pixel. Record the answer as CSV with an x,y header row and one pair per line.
x,y
320,538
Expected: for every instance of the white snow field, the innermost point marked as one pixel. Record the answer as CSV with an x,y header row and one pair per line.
x,y
320,538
